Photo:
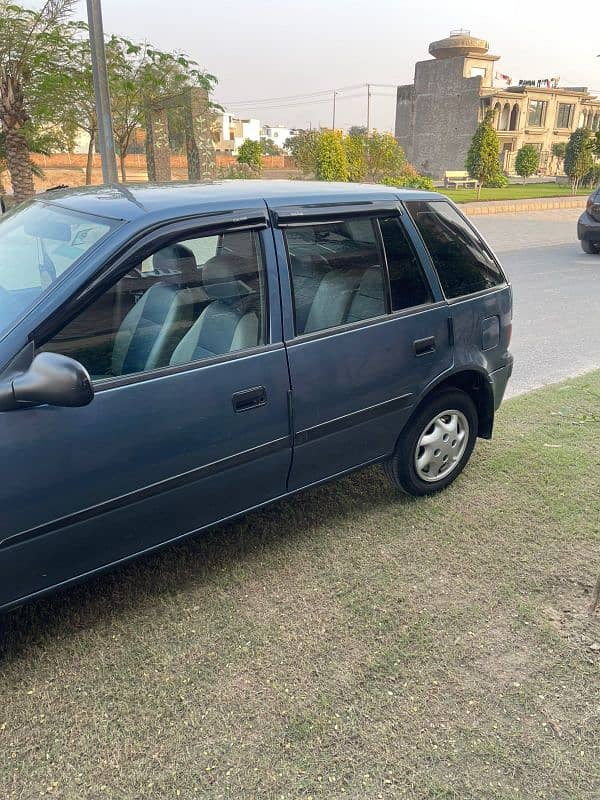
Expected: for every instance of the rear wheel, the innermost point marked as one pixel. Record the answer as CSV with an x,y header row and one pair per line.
x,y
436,445
589,247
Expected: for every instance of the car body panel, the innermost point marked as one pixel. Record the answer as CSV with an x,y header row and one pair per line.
x,y
161,455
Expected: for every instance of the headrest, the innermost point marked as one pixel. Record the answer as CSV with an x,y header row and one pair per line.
x,y
223,277
175,258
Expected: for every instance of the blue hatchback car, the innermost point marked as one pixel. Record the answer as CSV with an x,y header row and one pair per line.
x,y
174,356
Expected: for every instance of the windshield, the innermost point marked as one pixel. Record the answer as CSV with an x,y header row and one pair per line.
x,y
38,244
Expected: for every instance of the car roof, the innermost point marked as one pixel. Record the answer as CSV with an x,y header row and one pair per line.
x,y
132,201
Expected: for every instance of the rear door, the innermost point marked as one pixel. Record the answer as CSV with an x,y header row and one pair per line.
x,y
365,331
163,450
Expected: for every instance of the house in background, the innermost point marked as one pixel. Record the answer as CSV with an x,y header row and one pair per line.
x,y
278,134
437,115
231,133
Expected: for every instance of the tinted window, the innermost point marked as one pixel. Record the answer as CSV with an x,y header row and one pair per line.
x,y
460,258
408,284
537,112
337,273
193,299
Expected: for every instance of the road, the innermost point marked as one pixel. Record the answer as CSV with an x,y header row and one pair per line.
x,y
556,330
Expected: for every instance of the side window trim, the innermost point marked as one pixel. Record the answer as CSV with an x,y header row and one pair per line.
x,y
329,216
116,269
478,238
122,263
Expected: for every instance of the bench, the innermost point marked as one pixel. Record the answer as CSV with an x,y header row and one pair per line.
x,y
458,178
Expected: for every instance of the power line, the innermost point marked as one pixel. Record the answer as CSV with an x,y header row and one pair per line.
x,y
291,96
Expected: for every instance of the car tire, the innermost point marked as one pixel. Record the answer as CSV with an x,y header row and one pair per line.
x,y
589,247
419,466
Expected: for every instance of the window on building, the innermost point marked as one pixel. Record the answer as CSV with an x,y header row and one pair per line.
x,y
337,272
462,261
194,299
408,284
537,113
478,72
564,115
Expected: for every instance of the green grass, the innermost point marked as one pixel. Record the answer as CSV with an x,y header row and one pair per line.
x,y
348,643
513,192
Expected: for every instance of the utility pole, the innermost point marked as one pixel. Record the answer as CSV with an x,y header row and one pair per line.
x,y
100,77
333,120
368,109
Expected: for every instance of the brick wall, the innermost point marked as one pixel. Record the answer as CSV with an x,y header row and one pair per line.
x,y
138,161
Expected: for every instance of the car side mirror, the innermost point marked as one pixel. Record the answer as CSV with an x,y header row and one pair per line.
x,y
51,379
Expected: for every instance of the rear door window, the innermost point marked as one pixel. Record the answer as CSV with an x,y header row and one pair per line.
x,y
461,259
338,274
408,285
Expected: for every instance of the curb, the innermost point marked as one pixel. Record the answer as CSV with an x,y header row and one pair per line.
x,y
514,206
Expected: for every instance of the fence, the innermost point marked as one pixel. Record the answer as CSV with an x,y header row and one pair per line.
x,y
138,161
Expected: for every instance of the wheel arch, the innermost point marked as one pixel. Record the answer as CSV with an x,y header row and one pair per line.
x,y
478,385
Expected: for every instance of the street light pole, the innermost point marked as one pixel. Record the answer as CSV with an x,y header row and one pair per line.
x,y
368,109
100,77
333,121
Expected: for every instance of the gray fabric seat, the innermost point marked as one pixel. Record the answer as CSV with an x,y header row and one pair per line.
x,y
333,299
155,325
232,320
308,270
369,298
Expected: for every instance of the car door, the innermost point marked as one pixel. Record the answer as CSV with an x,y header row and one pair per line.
x,y
366,330
189,424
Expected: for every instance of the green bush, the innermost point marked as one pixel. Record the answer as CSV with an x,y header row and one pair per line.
x,y
409,182
527,160
236,172
592,178
331,163
250,153
499,181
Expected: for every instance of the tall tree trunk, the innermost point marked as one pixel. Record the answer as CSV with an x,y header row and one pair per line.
x,y
19,164
90,159
122,157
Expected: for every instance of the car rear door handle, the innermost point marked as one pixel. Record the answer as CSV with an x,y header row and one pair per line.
x,y
424,346
249,398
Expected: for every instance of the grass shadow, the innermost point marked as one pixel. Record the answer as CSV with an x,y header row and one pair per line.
x,y
214,557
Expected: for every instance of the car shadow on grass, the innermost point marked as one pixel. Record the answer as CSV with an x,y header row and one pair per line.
x,y
215,556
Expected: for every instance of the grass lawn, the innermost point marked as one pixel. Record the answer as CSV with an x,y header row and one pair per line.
x,y
513,192
346,643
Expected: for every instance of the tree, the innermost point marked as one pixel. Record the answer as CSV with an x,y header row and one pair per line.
x,y
527,160
355,148
331,163
579,156
269,148
303,147
483,158
558,152
357,130
383,155
138,73
32,49
250,153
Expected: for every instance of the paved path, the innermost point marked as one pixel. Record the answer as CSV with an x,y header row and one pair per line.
x,y
556,286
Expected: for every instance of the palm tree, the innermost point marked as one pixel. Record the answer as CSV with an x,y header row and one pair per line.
x,y
30,45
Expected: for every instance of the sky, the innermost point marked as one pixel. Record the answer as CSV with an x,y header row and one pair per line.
x,y
264,51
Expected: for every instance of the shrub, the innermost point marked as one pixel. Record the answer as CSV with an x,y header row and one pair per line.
x,y
527,160
331,162
579,157
483,158
236,172
592,178
409,182
500,181
250,153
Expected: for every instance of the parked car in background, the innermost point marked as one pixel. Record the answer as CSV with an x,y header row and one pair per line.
x,y
588,225
172,357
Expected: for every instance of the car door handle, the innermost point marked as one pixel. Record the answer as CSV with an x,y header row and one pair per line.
x,y
249,398
424,346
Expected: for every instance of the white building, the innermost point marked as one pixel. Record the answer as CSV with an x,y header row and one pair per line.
x,y
233,132
277,133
